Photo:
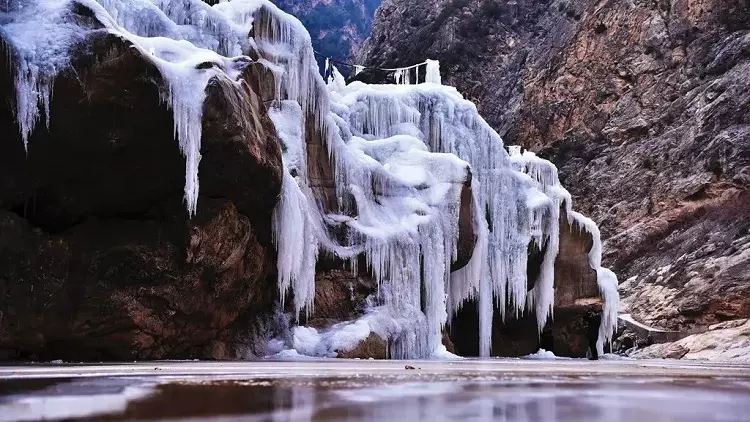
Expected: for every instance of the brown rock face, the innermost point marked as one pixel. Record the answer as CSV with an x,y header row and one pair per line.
x,y
644,108
575,281
698,273
98,258
372,347
467,238
339,294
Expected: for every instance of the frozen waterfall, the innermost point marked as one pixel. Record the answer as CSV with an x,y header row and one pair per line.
x,y
401,156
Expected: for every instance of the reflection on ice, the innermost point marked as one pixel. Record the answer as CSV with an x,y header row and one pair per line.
x,y
348,390
81,399
500,402
400,391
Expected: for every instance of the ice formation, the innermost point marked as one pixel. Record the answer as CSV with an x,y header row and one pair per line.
x,y
346,336
401,156
410,75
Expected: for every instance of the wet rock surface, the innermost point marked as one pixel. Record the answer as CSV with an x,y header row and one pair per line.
x,y
340,295
644,108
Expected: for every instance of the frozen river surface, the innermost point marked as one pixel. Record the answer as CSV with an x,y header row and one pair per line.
x,y
351,390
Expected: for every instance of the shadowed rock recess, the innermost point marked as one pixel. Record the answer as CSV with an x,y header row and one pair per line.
x,y
644,108
155,156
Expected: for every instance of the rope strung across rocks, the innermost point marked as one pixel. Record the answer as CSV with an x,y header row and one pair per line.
x,y
360,68
402,75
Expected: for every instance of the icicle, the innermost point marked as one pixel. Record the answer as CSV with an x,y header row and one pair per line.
x,y
33,91
606,279
433,72
336,81
399,77
402,194
296,244
37,57
520,193
544,293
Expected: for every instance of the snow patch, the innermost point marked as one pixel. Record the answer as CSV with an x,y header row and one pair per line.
x,y
541,354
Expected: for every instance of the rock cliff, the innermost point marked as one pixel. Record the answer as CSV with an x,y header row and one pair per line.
x,y
643,106
338,27
99,259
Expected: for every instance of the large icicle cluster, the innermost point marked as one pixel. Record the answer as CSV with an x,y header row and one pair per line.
x,y
403,154
519,193
400,156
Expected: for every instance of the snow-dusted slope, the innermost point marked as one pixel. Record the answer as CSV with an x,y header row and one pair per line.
x,y
400,157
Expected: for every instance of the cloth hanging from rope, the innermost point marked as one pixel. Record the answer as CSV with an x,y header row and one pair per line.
x,y
356,66
402,74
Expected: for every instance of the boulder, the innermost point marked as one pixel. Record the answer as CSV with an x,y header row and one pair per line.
x,y
371,347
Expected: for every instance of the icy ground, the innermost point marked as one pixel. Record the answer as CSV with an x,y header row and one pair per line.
x,y
469,390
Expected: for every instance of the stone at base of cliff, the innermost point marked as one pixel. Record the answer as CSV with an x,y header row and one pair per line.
x,y
372,347
729,341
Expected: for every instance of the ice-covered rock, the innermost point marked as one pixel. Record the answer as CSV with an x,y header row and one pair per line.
x,y
646,113
99,258
397,197
398,158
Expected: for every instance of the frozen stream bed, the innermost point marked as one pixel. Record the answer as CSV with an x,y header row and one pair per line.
x,y
329,390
